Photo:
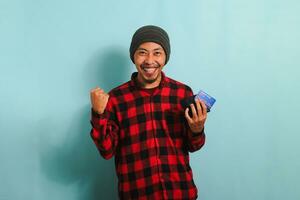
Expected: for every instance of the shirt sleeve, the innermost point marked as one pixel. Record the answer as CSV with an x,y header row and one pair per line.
x,y
105,131
195,141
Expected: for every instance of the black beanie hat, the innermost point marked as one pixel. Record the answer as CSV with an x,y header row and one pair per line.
x,y
150,33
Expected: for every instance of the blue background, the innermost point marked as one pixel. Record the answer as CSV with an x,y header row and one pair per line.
x,y
243,53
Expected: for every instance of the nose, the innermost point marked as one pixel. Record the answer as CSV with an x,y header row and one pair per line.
x,y
149,59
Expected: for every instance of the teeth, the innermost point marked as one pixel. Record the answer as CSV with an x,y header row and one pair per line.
x,y
149,70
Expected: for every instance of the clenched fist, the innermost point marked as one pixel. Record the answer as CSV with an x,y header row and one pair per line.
x,y
99,100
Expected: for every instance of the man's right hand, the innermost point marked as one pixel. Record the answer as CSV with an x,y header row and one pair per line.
x,y
99,100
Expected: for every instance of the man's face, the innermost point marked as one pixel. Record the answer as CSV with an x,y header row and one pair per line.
x,y
149,59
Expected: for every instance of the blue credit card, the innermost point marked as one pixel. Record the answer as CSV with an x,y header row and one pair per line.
x,y
206,98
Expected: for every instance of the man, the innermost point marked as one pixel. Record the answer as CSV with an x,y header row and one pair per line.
x,y
144,125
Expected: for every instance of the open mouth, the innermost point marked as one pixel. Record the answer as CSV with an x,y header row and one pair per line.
x,y
149,71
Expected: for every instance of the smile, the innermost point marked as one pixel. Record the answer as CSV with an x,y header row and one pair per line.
x,y
149,70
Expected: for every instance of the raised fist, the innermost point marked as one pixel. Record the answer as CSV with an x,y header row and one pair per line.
x,y
99,100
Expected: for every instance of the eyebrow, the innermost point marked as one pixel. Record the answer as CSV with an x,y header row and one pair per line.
x,y
159,48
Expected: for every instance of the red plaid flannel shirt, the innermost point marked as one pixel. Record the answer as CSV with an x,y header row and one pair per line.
x,y
150,139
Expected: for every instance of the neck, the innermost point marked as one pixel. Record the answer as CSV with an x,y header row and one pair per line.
x,y
148,85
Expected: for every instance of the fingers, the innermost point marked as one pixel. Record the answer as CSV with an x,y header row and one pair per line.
x,y
204,108
94,89
99,99
199,108
187,116
199,111
194,112
97,89
98,94
197,121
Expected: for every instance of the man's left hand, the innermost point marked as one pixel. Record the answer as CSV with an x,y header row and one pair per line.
x,y
196,122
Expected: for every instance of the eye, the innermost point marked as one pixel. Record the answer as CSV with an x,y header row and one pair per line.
x,y
157,53
142,53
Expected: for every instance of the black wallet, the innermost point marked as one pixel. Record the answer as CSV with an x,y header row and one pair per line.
x,y
188,101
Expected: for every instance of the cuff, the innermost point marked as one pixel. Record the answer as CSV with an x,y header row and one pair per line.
x,y
96,114
197,134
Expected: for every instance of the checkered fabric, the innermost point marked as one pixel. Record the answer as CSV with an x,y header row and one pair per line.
x,y
150,139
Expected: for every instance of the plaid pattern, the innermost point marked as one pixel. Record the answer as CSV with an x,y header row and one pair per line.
x,y
150,139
